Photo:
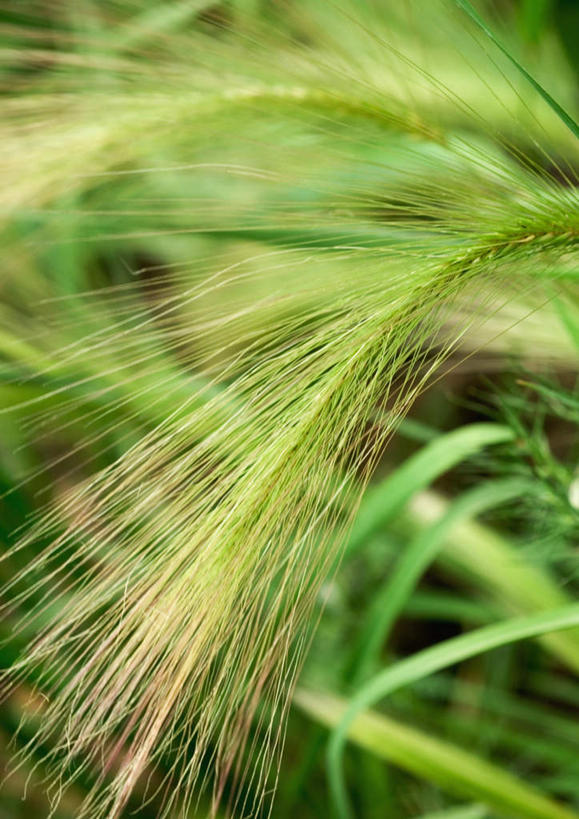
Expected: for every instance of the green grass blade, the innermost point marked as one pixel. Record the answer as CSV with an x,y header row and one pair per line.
x,y
439,605
427,662
383,501
455,770
488,560
552,103
422,550
462,812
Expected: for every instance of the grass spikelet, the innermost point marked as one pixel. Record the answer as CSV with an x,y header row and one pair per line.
x,y
151,541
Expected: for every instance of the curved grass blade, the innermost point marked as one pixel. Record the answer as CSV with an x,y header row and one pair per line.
x,y
462,812
383,501
427,662
415,560
480,555
455,770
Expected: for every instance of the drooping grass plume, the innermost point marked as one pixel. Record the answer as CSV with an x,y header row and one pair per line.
x,y
338,211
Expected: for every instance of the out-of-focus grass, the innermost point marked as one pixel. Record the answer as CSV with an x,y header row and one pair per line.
x,y
503,722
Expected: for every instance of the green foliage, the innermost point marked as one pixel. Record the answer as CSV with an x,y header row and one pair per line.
x,y
453,768
553,104
438,657
242,241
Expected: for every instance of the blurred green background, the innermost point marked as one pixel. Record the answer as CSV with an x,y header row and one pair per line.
x,y
474,499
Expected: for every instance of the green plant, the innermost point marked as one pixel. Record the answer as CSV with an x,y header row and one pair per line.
x,y
241,240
